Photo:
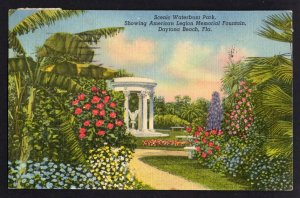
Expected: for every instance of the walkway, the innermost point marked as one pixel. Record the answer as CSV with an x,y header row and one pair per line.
x,y
156,178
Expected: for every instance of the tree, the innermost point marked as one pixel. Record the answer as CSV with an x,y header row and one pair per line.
x,y
273,77
215,112
30,75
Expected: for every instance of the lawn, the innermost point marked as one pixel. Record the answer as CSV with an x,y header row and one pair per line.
x,y
192,170
171,136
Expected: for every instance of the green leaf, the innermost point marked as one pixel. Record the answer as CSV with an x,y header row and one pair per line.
x,y
20,64
15,44
72,47
42,18
93,36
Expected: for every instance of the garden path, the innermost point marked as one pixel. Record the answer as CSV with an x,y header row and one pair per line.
x,y
156,178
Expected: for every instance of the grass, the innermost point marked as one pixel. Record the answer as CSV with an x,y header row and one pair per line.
x,y
171,136
142,186
192,170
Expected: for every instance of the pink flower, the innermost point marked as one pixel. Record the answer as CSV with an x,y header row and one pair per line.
x,y
206,133
81,97
242,83
220,132
78,111
210,144
94,89
103,92
87,106
198,149
75,102
237,126
245,120
101,133
209,152
217,147
243,99
240,91
239,102
248,103
203,155
102,113
119,123
200,129
110,125
82,130
95,112
106,99
188,129
196,140
197,133
95,99
213,132
112,105
204,141
249,90
100,106
237,106
113,115
99,123
87,123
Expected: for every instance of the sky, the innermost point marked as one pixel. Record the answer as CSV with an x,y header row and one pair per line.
x,y
182,63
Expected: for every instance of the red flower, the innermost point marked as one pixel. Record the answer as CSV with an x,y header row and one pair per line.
x,y
82,135
82,130
106,99
94,89
203,155
200,129
112,105
95,99
110,125
95,112
217,147
81,97
198,149
188,129
113,115
78,111
99,123
103,92
197,133
206,133
86,123
102,113
220,132
87,106
75,102
100,106
101,133
209,152
196,140
210,144
204,141
213,132
119,123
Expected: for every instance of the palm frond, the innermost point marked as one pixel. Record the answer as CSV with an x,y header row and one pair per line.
x,y
20,64
42,18
281,102
284,73
278,27
72,143
15,44
93,36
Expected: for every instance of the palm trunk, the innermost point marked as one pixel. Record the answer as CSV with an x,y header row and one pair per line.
x,y
26,138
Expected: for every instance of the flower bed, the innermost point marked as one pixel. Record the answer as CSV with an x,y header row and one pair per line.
x,y
157,142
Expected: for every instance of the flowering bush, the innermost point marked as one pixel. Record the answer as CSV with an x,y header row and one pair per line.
x,y
99,118
239,120
110,166
207,143
157,142
50,175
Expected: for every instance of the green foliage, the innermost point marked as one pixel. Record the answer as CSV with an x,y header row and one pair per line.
x,y
167,121
109,165
47,174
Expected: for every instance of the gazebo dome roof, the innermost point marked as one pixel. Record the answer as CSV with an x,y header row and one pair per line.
x,y
133,80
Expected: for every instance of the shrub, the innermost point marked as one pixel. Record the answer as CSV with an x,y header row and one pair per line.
x,y
167,121
157,142
110,167
240,118
99,120
215,112
50,175
207,144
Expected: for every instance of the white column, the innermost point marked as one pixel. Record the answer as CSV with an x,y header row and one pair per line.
x,y
140,119
126,106
151,110
145,119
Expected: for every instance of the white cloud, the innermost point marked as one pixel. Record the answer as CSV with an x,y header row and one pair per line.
x,y
120,51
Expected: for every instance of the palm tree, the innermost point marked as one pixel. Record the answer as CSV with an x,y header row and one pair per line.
x,y
273,77
30,75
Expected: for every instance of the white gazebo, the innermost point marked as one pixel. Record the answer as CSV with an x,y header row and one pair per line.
x,y
144,87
